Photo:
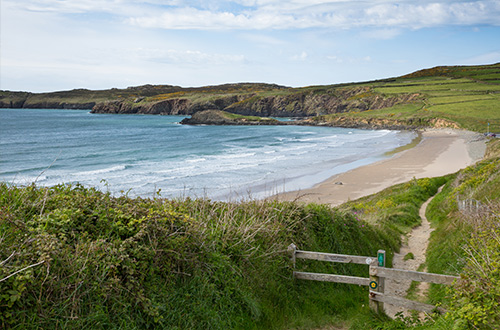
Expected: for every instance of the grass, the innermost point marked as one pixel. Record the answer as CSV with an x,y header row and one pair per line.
x,y
450,255
75,257
99,261
117,262
468,102
467,96
453,93
408,256
247,118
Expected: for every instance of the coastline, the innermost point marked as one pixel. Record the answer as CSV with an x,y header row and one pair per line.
x,y
440,152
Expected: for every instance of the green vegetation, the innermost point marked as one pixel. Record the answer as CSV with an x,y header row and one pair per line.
x,y
409,256
97,261
234,116
464,97
471,246
465,241
469,96
461,97
75,257
395,208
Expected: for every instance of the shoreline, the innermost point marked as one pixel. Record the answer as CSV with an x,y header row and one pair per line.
x,y
440,152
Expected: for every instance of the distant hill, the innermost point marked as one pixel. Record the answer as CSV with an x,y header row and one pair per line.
x,y
453,96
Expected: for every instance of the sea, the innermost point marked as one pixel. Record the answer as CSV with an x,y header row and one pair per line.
x,y
155,156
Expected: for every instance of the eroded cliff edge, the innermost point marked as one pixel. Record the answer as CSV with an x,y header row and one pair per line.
x,y
277,103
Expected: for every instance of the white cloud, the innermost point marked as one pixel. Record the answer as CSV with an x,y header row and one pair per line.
x,y
300,57
381,34
49,44
277,14
187,57
263,39
334,58
327,14
490,57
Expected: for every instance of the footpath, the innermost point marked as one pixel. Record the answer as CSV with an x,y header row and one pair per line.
x,y
416,244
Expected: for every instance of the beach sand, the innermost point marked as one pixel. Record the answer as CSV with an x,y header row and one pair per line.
x,y
441,152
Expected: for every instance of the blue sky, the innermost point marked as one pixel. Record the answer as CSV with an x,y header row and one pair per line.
x,y
49,45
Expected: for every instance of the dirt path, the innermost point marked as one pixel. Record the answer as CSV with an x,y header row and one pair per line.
x,y
417,241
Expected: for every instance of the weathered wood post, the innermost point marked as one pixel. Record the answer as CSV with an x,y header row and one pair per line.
x,y
377,283
292,250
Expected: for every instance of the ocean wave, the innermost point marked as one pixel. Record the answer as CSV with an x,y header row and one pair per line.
x,y
236,155
196,160
319,138
25,180
115,168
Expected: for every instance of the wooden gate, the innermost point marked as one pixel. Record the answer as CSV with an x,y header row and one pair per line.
x,y
376,282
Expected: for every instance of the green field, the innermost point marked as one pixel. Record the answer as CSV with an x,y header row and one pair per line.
x,y
469,96
466,97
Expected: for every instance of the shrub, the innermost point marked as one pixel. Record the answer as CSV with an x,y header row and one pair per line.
x,y
476,297
75,257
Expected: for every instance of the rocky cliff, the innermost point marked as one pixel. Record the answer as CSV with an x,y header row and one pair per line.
x,y
262,100
218,117
379,123
292,104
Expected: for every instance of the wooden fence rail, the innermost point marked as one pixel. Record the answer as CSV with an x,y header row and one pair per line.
x,y
332,278
376,283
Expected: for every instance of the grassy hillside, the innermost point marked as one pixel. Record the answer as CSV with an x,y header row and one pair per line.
x,y
466,96
95,261
466,241
472,244
463,96
74,257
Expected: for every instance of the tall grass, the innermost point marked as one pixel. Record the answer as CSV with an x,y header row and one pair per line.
x,y
466,242
76,257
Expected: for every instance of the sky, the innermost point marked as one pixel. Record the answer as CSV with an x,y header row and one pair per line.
x,y
51,45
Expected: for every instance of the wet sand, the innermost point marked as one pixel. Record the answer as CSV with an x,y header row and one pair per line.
x,y
441,152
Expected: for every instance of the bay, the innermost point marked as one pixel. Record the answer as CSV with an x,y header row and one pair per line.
x,y
143,155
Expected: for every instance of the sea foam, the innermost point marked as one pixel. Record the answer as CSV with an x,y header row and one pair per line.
x,y
142,154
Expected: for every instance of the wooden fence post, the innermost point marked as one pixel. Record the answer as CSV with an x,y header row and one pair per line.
x,y
292,250
377,283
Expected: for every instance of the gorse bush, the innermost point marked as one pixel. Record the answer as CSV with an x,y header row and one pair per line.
x,y
76,257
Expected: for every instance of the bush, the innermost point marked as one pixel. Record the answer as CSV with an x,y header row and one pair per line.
x,y
476,298
75,257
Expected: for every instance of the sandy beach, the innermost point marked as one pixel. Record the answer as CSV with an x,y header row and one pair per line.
x,y
441,152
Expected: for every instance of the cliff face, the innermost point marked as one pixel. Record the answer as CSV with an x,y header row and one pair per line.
x,y
299,104
37,101
244,99
173,106
218,117
380,123
167,107
314,104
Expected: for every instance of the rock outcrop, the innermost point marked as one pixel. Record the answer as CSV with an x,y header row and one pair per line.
x,y
166,107
292,104
380,123
218,117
